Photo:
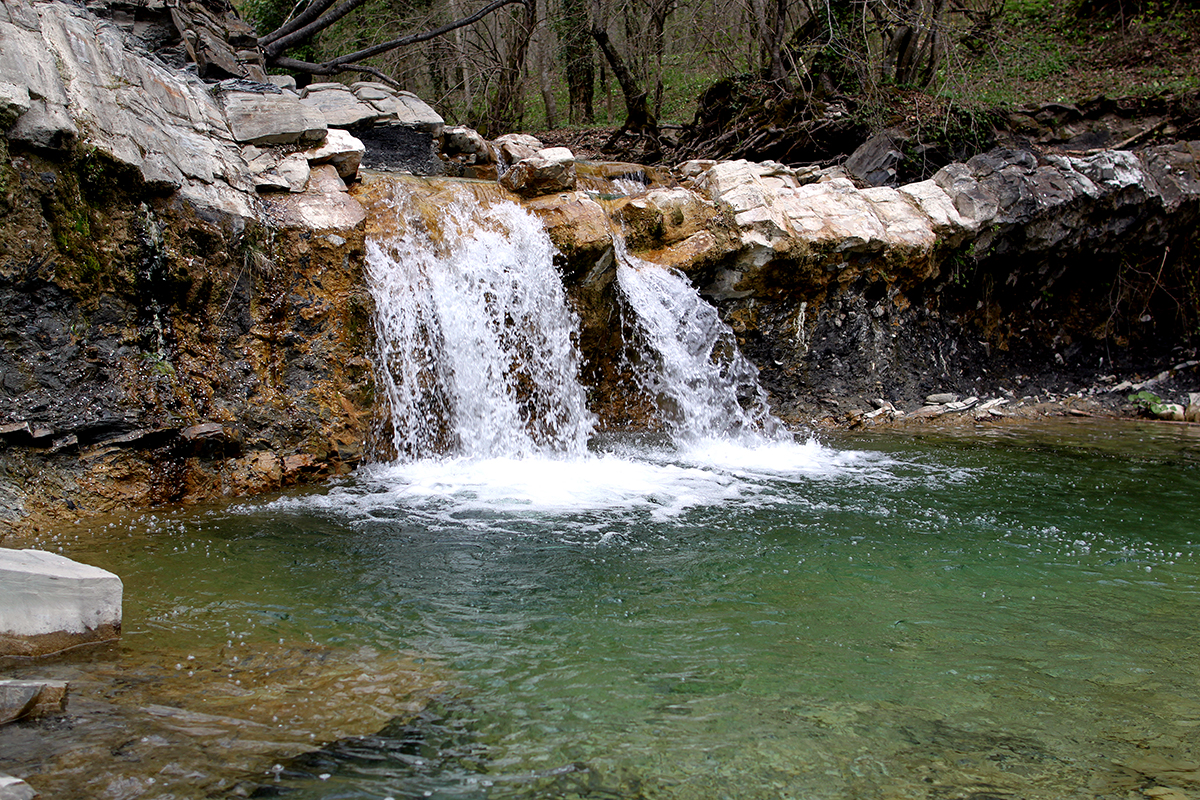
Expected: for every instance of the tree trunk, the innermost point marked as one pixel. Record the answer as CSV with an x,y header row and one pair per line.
x,y
463,64
576,51
544,49
639,119
507,107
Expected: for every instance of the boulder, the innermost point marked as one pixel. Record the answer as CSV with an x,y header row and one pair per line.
x,y
948,225
905,223
461,140
85,84
46,126
876,162
1169,411
340,149
51,603
512,147
550,170
372,90
673,214
699,249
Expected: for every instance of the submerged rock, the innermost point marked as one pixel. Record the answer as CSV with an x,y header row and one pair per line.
x,y
25,699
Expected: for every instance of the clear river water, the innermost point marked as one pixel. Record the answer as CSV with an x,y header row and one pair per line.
x,y
1002,612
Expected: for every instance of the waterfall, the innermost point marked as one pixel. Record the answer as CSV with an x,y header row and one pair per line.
x,y
475,340
689,361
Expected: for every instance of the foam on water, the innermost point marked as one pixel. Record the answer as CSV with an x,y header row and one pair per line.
x,y
659,482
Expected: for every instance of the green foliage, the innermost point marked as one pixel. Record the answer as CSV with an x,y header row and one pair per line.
x,y
1032,44
1148,401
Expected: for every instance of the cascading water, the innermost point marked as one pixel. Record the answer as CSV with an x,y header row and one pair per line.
x,y
475,338
702,384
736,617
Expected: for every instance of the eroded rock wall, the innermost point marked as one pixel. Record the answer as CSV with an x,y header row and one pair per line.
x,y
184,311
151,354
1052,272
1011,267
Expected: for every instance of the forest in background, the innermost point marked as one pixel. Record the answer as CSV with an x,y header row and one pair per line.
x,y
537,65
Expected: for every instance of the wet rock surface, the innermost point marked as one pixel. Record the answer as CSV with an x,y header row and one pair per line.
x,y
134,323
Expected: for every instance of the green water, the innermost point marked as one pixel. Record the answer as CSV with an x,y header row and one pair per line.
x,y
986,615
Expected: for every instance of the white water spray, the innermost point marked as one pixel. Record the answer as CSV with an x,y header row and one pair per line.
x,y
703,385
477,360
475,338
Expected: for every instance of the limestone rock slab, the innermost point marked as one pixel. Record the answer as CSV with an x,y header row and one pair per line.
x,y
413,112
49,603
267,118
339,106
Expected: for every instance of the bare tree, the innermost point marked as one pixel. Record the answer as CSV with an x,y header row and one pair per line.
x,y
639,119
576,49
319,15
506,110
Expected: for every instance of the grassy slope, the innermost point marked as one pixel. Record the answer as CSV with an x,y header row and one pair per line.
x,y
1043,52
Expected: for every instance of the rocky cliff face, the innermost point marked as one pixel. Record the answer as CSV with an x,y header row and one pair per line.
x,y
1008,268
177,326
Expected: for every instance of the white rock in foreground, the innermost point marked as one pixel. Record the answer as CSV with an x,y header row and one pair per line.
x,y
49,603
15,789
